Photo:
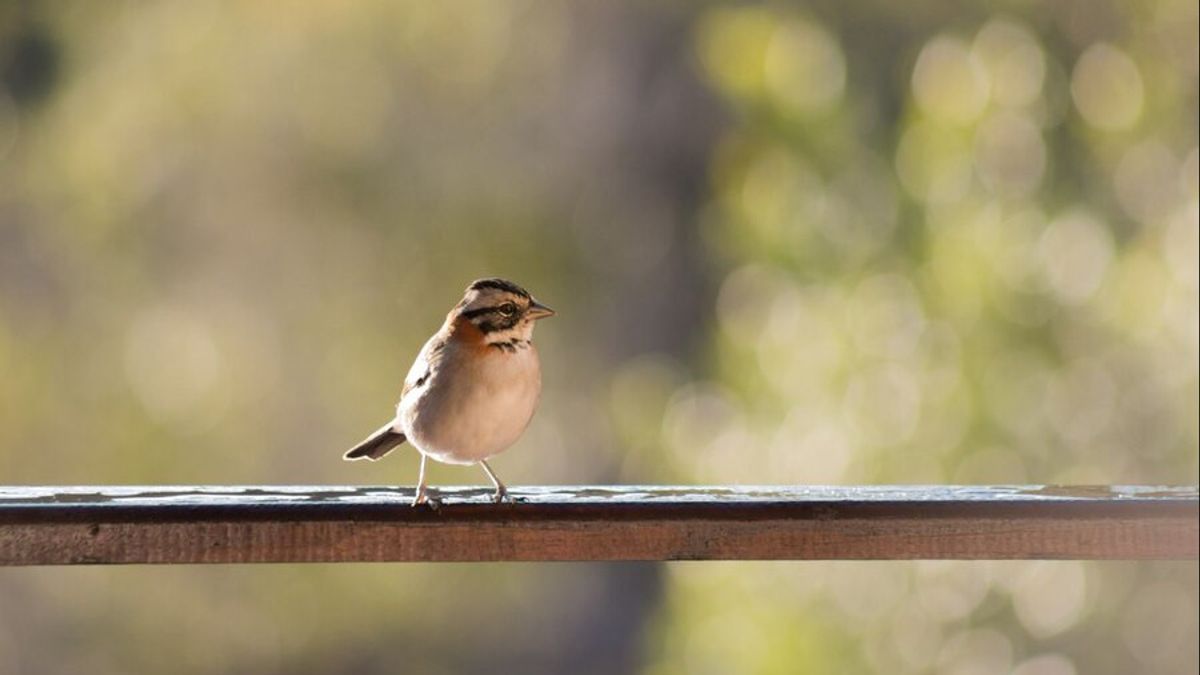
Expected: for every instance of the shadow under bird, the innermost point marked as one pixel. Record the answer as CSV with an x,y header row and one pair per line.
x,y
473,388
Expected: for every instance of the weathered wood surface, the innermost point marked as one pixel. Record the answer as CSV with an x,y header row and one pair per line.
x,y
231,524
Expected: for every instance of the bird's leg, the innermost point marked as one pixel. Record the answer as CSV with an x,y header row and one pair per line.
x,y
501,491
424,494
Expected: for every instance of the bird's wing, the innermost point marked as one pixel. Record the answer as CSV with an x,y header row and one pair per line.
x,y
426,363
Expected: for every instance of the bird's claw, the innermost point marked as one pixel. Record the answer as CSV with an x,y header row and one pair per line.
x,y
427,497
502,495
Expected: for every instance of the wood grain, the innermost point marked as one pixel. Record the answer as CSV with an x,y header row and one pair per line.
x,y
250,524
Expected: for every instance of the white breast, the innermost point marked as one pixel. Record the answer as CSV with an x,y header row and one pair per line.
x,y
462,415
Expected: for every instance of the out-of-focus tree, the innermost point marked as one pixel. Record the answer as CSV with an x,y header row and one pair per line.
x,y
955,248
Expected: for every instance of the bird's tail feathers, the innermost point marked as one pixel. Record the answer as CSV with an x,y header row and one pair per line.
x,y
376,445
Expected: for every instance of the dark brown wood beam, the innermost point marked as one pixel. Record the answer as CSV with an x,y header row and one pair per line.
x,y
250,524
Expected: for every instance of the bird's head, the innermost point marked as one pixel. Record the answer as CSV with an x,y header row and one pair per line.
x,y
500,309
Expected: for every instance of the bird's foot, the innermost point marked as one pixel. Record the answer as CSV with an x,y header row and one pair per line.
x,y
501,495
428,497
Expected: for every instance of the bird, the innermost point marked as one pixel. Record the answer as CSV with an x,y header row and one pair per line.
x,y
473,388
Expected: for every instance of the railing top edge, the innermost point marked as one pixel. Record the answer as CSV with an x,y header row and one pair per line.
x,y
347,495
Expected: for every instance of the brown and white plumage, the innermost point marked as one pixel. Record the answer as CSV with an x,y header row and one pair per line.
x,y
473,388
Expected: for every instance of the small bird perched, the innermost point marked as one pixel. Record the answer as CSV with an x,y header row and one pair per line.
x,y
473,388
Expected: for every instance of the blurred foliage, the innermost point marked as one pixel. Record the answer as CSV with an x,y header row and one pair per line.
x,y
829,243
966,253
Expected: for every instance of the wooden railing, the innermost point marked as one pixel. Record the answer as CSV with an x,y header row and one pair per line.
x,y
235,524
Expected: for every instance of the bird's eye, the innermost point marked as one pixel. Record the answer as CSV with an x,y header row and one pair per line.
x,y
508,309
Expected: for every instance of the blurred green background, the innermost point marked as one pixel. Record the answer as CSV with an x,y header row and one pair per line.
x,y
841,243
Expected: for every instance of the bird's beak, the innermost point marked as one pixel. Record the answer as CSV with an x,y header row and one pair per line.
x,y
538,311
